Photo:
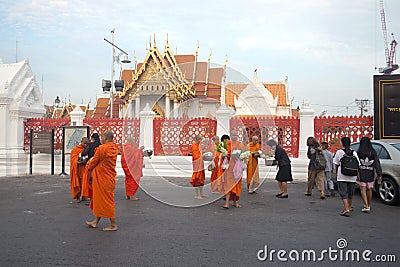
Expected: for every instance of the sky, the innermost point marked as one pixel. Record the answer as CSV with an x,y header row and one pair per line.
x,y
329,49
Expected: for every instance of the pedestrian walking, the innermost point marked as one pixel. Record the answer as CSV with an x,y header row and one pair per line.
x,y
346,178
369,164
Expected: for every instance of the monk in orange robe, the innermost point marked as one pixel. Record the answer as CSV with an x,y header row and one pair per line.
x,y
215,183
132,164
76,170
199,176
233,182
87,190
253,175
102,166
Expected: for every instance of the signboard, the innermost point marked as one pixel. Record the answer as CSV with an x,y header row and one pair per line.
x,y
41,142
73,136
387,106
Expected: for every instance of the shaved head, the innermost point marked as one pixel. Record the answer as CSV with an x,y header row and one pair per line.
x,y
107,136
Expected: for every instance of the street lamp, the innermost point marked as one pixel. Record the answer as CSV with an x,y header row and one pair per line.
x,y
117,84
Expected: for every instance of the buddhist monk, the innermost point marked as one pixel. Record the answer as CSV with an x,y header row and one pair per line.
x,y
76,170
102,166
253,175
234,173
199,176
132,164
214,181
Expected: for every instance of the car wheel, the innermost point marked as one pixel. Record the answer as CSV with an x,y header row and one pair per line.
x,y
388,191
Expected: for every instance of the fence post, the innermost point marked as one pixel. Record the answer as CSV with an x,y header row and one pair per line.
x,y
306,128
223,115
146,127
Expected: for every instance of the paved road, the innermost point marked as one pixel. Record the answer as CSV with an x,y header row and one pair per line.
x,y
41,226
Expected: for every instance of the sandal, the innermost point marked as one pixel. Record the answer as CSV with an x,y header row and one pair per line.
x,y
226,207
237,206
345,213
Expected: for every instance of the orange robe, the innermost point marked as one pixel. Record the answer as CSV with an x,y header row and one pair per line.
x,y
252,166
102,166
76,171
199,175
233,184
87,190
132,164
215,183
222,184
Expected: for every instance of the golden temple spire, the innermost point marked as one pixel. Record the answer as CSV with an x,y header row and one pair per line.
x,y
208,71
195,62
209,56
150,43
166,42
197,49
154,40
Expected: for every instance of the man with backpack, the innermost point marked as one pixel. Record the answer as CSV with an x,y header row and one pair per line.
x,y
316,167
346,164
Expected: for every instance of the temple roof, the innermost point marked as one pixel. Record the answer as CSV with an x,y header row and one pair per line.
x,y
277,89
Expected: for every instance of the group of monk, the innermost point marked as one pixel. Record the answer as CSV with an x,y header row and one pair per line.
x,y
93,174
227,167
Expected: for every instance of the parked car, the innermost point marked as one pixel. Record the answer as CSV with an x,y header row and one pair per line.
x,y
389,156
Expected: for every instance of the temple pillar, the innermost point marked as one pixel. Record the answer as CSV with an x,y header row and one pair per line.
x,y
176,108
146,127
306,128
167,105
223,116
137,106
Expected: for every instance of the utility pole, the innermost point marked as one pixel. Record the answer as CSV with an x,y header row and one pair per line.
x,y
362,105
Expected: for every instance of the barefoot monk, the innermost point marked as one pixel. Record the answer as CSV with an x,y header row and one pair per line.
x,y
102,166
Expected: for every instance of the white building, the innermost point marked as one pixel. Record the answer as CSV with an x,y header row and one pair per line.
x,y
20,98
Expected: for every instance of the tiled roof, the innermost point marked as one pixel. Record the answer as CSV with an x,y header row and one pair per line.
x,y
184,58
278,90
101,110
233,90
127,76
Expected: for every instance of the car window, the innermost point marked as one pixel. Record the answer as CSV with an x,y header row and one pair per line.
x,y
354,146
381,151
397,146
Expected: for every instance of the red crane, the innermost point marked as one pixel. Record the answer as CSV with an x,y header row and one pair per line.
x,y
389,55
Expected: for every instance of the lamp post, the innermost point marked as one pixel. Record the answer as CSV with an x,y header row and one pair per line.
x,y
114,59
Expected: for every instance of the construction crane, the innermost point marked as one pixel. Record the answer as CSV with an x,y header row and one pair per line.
x,y
389,55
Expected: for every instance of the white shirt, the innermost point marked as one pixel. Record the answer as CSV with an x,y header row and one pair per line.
x,y
336,160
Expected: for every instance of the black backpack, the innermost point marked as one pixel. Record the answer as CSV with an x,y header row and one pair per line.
x,y
320,161
349,164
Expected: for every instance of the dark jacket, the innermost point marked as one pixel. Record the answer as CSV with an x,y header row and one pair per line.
x,y
311,154
368,165
281,156
90,148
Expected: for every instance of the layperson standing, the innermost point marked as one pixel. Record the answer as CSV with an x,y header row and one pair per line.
x,y
369,162
284,174
315,176
102,166
346,183
87,175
